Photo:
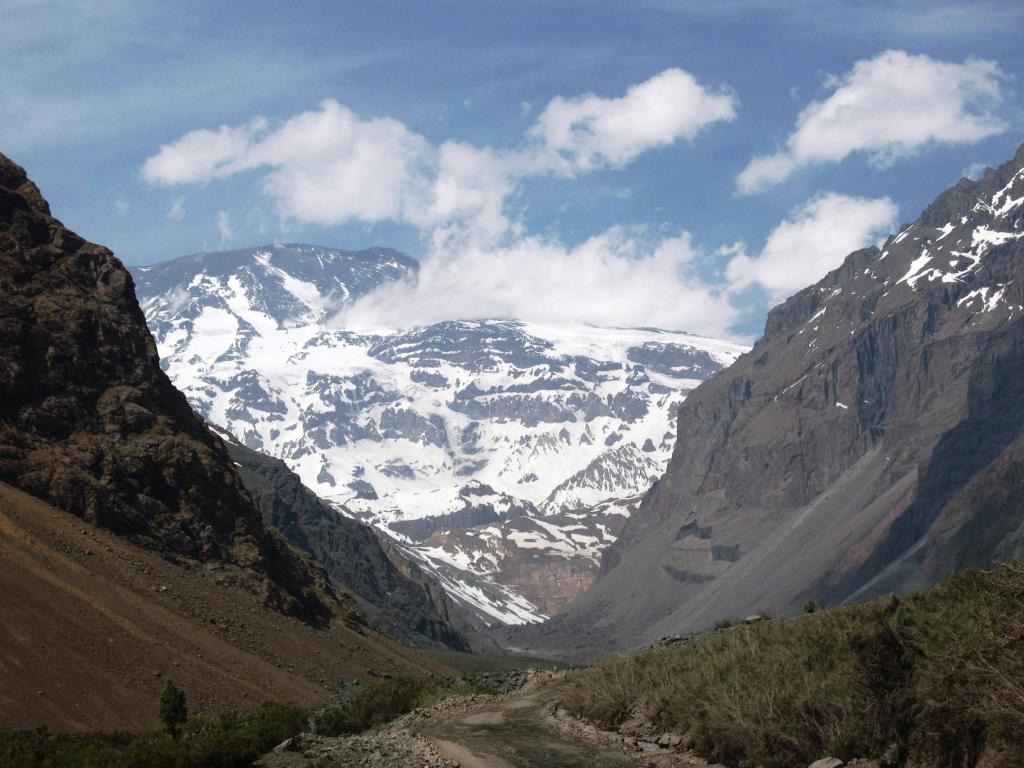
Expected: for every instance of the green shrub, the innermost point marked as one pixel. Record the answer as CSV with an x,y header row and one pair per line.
x,y
940,673
229,741
173,709
380,702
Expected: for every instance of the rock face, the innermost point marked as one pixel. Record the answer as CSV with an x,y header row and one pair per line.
x,y
89,422
547,560
452,427
392,591
872,440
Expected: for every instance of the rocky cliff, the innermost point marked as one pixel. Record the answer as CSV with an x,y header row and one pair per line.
x,y
89,422
872,440
391,589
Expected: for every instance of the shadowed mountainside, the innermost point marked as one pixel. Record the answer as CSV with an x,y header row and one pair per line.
x,y
177,575
94,626
871,441
392,590
89,422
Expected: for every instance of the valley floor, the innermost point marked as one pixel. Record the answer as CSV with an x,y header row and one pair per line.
x,y
525,729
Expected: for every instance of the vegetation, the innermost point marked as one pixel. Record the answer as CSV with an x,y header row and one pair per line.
x,y
173,709
378,703
229,741
493,664
938,675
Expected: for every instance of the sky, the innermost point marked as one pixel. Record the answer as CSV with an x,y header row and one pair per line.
x,y
664,163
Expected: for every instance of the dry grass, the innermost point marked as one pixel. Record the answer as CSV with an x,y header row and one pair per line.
x,y
940,674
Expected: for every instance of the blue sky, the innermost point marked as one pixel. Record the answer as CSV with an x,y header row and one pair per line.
x,y
92,91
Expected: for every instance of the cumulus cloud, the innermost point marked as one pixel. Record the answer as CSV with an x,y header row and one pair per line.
x,y
810,243
620,277
587,132
202,155
890,107
328,166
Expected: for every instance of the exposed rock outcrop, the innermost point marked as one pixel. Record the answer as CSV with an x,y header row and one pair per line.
x,y
89,422
391,590
872,440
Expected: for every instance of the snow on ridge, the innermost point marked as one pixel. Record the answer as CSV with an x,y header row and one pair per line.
x,y
487,420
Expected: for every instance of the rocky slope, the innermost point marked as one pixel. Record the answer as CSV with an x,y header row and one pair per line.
x,y
90,423
870,441
547,560
391,589
455,426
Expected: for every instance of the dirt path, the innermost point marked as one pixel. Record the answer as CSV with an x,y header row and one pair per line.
x,y
512,731
520,731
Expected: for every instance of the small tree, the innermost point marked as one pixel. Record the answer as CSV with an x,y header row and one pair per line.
x,y
811,607
173,709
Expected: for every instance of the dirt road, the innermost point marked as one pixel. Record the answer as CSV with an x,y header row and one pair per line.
x,y
519,730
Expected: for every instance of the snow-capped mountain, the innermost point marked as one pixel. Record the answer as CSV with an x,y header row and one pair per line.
x,y
454,426
871,442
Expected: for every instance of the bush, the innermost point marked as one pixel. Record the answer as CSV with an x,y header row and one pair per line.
x,y
229,741
380,702
940,673
173,709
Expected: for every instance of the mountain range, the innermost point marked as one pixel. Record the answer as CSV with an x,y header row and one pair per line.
x,y
872,441
500,455
473,482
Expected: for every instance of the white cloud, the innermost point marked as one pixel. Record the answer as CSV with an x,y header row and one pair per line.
x,y
889,107
812,242
974,171
227,232
202,155
587,132
177,210
620,277
328,166
123,205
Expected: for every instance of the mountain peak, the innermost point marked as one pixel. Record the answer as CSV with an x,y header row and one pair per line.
x,y
457,424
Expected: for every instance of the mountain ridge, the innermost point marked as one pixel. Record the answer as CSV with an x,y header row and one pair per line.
x,y
461,424
870,440
132,550
90,423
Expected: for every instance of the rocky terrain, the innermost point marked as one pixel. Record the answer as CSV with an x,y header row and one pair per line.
x,y
547,560
870,441
132,550
389,587
521,728
90,423
440,436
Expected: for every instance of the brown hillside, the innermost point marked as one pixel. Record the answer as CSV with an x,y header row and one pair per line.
x,y
90,423
93,626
